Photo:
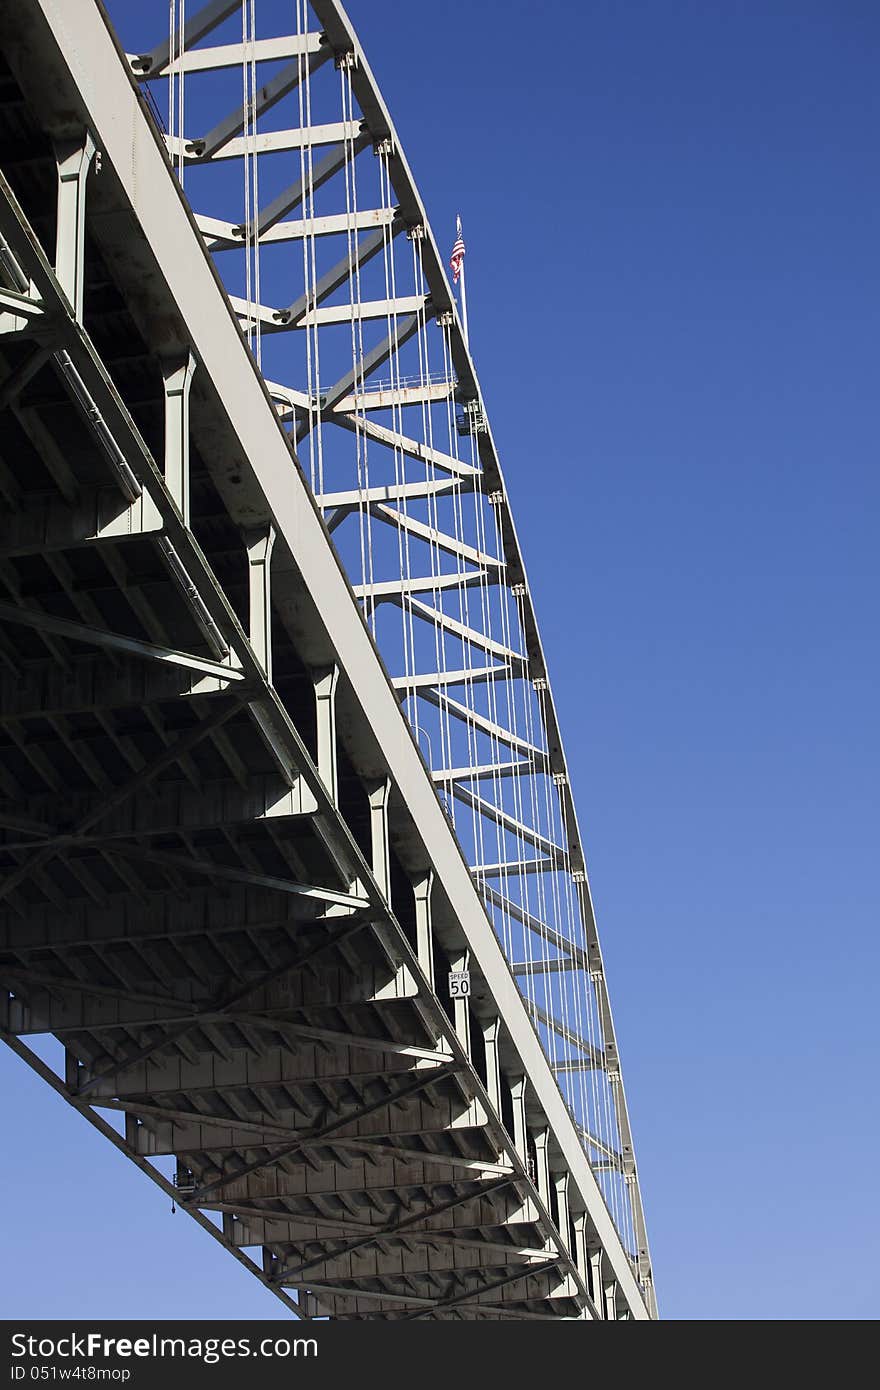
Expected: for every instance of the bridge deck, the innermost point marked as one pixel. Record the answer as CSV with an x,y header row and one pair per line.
x,y
230,892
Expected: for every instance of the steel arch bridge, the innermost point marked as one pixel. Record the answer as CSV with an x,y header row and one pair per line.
x,y
294,892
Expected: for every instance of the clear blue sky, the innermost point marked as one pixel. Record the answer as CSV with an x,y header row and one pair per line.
x,y
672,214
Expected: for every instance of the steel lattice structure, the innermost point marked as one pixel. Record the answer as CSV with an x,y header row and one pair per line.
x,y
299,189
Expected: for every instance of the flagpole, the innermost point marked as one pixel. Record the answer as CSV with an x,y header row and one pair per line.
x,y
464,318
464,321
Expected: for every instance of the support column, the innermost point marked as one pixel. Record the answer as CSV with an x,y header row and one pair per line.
x,y
380,795
73,158
518,1097
474,1114
326,681
422,886
71,1071
541,1139
560,1182
518,1084
610,1292
461,1014
178,377
259,542
581,1256
596,1282
491,1030
131,1132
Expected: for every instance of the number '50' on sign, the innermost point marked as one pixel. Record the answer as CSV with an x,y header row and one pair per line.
x,y
459,984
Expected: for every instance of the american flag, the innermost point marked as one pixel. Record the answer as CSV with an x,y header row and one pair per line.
x,y
456,260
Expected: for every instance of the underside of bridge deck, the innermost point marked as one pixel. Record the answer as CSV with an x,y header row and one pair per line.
x,y
224,936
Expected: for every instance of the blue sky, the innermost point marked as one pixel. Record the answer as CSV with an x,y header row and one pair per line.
x,y
671,212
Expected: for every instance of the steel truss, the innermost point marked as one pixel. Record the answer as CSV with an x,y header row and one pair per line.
x,y
220,893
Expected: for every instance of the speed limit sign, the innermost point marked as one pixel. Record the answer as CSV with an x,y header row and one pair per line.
x,y
459,984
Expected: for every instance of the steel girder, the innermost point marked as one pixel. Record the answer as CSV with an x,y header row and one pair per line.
x,y
307,986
